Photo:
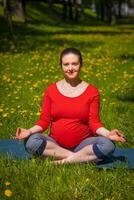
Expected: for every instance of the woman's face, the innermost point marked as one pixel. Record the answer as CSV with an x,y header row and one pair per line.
x,y
71,66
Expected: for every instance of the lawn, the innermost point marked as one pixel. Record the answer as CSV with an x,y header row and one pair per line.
x,y
27,69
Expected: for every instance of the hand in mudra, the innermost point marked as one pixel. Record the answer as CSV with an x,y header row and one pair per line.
x,y
116,135
22,133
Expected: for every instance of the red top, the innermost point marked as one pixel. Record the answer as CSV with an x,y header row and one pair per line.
x,y
72,118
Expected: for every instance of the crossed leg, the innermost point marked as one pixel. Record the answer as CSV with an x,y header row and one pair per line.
x,y
45,146
56,152
86,154
92,149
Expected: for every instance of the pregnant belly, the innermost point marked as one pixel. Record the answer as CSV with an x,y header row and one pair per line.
x,y
69,132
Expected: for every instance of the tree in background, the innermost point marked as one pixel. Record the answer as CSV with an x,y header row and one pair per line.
x,y
105,10
15,7
71,9
109,10
11,8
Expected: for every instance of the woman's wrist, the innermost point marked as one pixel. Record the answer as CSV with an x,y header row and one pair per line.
x,y
30,131
35,129
103,131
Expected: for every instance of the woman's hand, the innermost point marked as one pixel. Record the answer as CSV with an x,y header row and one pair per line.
x,y
22,133
116,135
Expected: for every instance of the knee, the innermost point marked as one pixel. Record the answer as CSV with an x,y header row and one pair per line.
x,y
104,148
35,144
108,147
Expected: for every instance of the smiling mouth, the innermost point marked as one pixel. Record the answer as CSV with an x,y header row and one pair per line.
x,y
70,73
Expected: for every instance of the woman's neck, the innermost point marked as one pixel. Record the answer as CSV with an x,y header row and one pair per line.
x,y
72,83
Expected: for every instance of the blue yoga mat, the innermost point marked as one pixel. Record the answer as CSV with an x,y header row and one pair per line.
x,y
14,149
122,157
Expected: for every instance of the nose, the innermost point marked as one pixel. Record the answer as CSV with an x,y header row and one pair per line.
x,y
70,66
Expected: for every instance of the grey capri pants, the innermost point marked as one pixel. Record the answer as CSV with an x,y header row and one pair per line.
x,y
103,147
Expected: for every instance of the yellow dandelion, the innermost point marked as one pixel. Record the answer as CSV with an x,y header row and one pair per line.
x,y
38,113
1,110
5,115
35,85
5,77
1,124
8,193
20,76
17,97
7,183
24,111
87,180
28,82
103,100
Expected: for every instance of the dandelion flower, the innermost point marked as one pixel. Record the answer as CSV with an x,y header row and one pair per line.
x,y
38,113
8,193
17,98
87,180
7,183
5,115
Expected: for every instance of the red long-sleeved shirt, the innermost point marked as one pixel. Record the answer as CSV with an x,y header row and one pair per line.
x,y
72,119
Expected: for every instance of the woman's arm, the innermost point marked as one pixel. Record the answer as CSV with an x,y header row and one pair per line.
x,y
102,131
94,107
95,122
22,133
114,135
42,123
45,116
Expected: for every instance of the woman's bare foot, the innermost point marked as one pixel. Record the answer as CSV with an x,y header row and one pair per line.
x,y
76,158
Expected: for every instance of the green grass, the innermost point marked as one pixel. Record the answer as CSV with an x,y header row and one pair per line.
x,y
34,64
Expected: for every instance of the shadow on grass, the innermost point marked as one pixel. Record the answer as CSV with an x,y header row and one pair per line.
x,y
54,16
126,20
32,36
127,56
30,39
127,96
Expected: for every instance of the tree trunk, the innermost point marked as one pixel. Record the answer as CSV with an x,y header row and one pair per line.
x,y
64,10
100,9
70,8
20,10
8,18
111,16
119,8
7,14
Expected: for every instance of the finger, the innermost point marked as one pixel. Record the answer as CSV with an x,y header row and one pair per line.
x,y
119,133
121,139
18,138
122,136
18,131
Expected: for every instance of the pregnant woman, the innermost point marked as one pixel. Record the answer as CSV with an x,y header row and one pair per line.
x,y
71,108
